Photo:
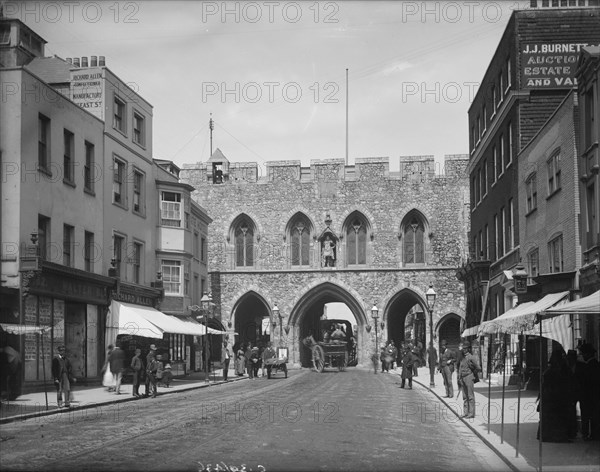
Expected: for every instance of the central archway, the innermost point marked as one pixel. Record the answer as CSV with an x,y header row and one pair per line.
x,y
306,314
405,316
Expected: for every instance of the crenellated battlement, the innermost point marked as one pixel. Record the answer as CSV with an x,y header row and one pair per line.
x,y
218,170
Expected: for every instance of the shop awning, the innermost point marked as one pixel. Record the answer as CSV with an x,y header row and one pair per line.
x,y
24,329
589,305
210,330
127,318
472,331
522,320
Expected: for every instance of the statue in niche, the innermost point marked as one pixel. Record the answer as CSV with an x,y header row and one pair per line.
x,y
328,252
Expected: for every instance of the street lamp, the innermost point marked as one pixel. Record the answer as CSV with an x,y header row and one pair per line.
x,y
430,296
375,315
205,308
277,316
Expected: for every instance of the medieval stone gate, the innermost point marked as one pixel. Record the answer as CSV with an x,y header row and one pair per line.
x,y
299,238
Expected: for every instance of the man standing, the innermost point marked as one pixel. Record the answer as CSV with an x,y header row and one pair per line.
x,y
467,372
151,368
116,361
62,374
267,355
447,360
590,393
225,359
136,367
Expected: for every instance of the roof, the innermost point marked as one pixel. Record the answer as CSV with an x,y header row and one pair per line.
x,y
218,156
51,69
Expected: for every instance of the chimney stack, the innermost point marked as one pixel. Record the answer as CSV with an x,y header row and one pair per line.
x,y
84,61
101,61
69,60
76,61
94,61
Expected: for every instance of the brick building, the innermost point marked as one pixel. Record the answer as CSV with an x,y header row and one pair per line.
x,y
529,75
301,237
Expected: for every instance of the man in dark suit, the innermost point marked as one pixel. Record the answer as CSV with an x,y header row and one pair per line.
x,y
225,359
62,372
116,360
446,367
467,372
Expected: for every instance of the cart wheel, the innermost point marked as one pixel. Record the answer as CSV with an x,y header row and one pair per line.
x,y
343,362
318,358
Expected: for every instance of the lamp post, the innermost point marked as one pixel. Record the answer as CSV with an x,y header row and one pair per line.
x,y
430,296
375,316
205,308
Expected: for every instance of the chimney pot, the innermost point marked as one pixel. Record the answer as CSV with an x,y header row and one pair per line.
x,y
76,61
101,61
84,61
94,61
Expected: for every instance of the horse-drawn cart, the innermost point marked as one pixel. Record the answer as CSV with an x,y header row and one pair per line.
x,y
276,365
332,354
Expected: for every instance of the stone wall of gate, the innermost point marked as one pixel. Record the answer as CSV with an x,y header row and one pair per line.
x,y
328,192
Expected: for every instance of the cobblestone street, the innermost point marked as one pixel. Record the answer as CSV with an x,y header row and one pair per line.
x,y
350,420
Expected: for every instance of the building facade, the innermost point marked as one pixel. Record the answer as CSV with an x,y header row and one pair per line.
x,y
301,237
520,90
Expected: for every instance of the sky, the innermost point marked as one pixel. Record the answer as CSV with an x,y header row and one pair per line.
x,y
273,74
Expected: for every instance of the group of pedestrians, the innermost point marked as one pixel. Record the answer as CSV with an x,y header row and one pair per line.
x,y
248,359
568,380
153,372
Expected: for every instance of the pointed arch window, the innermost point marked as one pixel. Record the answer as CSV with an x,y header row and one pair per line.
x,y
356,241
244,243
414,247
300,229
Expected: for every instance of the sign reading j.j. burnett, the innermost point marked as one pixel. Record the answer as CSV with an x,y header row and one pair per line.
x,y
549,65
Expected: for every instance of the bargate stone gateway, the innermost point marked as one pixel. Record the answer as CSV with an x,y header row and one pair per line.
x,y
299,238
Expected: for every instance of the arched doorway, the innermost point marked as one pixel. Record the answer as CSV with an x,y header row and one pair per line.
x,y
406,319
449,330
306,317
249,313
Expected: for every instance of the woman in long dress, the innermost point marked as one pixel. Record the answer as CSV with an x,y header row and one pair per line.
x,y
108,379
240,361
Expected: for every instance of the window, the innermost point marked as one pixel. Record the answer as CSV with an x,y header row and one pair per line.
x,y
118,249
44,142
555,254
484,119
68,165
509,145
244,243
170,208
508,74
196,246
119,115
554,173
5,34
88,251
88,171
494,100
486,240
478,186
356,241
118,182
137,262
300,241
473,137
533,261
479,128
138,129
531,190
500,240
592,228
510,228
138,192
480,245
186,279
414,247
503,157
496,233
171,277
495,171
68,235
501,89
203,249
484,182
590,127
44,237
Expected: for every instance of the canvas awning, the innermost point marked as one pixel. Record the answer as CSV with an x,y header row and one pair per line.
x,y
589,305
24,329
472,331
522,320
127,318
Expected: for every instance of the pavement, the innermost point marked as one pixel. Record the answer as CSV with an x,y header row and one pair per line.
x,y
511,435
